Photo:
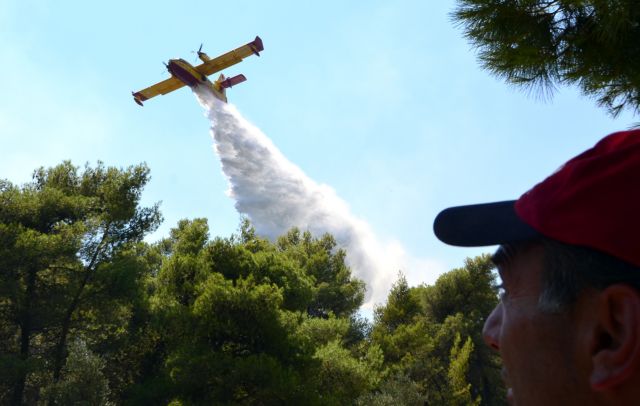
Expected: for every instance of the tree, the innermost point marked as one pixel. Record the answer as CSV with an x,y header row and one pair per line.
x,y
398,389
246,321
594,44
458,369
83,381
334,291
69,259
401,308
432,337
460,301
342,378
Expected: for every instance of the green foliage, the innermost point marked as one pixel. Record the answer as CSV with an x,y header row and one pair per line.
x,y
83,381
458,370
594,44
402,307
335,291
342,377
323,331
470,290
69,254
198,320
420,332
240,318
396,390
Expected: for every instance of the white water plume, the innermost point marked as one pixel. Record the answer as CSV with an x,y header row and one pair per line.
x,y
276,195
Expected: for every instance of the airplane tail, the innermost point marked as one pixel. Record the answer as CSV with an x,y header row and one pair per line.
x,y
222,84
230,82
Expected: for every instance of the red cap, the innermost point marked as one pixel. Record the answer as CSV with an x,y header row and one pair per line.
x,y
593,200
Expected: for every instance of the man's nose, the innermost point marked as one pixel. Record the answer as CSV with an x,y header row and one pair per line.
x,y
491,329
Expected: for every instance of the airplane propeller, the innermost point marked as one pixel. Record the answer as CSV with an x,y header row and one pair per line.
x,y
198,52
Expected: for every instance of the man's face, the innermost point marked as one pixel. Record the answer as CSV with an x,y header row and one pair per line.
x,y
538,349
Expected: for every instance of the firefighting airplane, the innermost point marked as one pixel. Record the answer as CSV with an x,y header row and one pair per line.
x,y
183,73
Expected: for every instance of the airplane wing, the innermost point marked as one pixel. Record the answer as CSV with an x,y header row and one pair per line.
x,y
230,58
207,68
164,87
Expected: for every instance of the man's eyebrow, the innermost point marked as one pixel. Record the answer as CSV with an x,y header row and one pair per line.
x,y
502,257
499,257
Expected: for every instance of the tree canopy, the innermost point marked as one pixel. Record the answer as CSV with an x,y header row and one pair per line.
x,y
538,44
69,243
90,313
431,338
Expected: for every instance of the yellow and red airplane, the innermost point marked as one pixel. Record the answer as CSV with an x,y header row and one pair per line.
x,y
183,73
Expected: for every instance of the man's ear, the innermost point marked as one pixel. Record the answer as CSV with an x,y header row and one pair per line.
x,y
615,344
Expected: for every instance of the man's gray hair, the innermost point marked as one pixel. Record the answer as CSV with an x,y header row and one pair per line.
x,y
568,269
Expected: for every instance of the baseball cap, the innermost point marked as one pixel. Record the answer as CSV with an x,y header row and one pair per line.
x,y
593,200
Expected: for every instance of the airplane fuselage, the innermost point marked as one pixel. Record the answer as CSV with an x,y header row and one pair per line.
x,y
186,73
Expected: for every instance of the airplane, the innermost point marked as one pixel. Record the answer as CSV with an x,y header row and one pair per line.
x,y
183,73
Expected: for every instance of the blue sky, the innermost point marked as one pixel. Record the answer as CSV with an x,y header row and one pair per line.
x,y
384,102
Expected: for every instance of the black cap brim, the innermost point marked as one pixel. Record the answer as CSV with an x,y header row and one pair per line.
x,y
480,225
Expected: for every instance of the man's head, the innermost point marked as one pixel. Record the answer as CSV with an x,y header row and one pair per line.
x,y
568,324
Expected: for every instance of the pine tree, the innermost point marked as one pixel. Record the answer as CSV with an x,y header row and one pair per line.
x,y
539,44
69,260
